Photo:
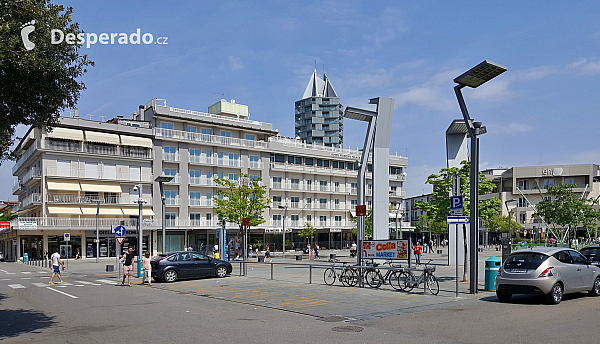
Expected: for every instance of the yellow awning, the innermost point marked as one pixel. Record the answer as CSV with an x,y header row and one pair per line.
x,y
94,136
147,212
89,210
100,187
54,209
110,211
66,133
136,141
63,185
130,211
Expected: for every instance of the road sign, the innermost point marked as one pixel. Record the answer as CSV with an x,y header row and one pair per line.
x,y
457,220
4,224
120,240
120,231
361,210
456,205
246,221
67,236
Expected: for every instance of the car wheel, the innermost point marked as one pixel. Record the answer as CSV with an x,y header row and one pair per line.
x,y
170,276
503,297
555,295
596,287
221,271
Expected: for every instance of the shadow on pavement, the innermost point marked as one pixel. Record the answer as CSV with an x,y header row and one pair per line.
x,y
531,299
18,321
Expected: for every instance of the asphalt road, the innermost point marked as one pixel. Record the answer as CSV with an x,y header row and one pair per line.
x,y
253,309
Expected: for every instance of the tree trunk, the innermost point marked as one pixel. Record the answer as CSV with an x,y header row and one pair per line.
x,y
466,265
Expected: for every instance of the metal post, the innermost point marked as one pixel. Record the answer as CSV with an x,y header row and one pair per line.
x,y
474,213
97,232
283,235
456,259
271,270
310,274
141,230
397,210
164,217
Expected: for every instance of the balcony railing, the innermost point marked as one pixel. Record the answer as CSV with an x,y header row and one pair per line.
x,y
88,222
171,157
96,174
194,202
77,199
32,173
201,181
205,138
173,201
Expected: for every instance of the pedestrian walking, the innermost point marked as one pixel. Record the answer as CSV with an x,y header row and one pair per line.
x,y
127,266
268,253
418,251
317,252
56,264
147,268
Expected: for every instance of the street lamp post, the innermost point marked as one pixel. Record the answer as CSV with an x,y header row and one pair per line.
x,y
98,201
474,77
140,201
509,218
284,216
161,180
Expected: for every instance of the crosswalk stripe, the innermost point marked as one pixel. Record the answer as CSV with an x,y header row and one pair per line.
x,y
26,272
88,283
16,286
107,281
40,284
5,279
27,278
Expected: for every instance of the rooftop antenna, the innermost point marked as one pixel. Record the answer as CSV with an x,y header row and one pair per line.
x,y
102,118
89,114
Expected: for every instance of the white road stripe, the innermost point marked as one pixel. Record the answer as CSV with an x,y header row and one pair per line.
x,y
26,272
107,281
88,283
40,284
62,292
16,286
5,279
25,277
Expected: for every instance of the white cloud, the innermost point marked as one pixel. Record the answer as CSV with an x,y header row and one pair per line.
x,y
235,63
586,66
509,128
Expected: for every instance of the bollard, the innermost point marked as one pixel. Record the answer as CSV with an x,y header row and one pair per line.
x,y
332,256
310,274
299,257
271,270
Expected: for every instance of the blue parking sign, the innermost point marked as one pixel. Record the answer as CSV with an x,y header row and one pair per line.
x,y
456,205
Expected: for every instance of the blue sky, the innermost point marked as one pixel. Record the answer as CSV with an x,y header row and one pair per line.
x,y
543,110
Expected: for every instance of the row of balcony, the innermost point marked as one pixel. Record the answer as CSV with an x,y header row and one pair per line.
x,y
83,147
29,223
313,206
97,174
206,138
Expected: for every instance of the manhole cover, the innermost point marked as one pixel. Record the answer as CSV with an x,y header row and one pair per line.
x,y
332,319
347,329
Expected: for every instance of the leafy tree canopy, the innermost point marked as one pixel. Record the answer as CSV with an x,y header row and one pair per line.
x,y
241,199
36,84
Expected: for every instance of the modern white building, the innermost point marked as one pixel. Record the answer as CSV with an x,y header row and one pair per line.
x,y
64,174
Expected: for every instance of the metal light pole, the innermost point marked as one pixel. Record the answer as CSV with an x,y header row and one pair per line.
x,y
509,218
97,231
140,202
284,216
161,180
474,78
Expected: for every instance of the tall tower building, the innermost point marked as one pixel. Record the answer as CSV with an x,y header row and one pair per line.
x,y
319,117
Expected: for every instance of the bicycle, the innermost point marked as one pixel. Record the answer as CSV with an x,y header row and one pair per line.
x,y
346,275
375,279
407,280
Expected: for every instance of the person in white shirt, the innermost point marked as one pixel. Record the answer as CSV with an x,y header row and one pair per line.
x,y
56,264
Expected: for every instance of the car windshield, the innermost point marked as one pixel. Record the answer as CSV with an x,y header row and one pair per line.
x,y
529,260
591,252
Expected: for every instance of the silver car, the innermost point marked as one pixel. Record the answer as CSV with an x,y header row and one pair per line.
x,y
551,271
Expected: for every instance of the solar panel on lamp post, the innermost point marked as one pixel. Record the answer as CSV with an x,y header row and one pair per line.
x,y
475,77
161,180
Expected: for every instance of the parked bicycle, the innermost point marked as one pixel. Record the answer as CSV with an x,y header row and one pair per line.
x,y
375,279
342,272
407,280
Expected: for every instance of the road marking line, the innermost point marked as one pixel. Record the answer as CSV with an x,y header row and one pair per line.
x,y
16,286
88,283
25,277
107,281
62,292
79,285
26,272
5,279
40,284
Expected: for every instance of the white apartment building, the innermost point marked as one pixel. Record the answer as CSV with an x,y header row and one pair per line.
x,y
316,183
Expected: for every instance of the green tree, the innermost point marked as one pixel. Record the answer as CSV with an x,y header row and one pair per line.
x,y
36,84
245,198
308,232
499,224
566,211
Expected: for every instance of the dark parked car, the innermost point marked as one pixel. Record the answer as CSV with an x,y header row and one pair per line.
x,y
592,253
187,264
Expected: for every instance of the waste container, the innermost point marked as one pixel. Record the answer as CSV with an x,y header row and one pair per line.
x,y
424,248
110,268
299,257
261,259
25,257
492,265
332,256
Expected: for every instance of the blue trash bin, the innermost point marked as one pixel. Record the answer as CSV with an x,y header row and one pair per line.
x,y
25,257
492,265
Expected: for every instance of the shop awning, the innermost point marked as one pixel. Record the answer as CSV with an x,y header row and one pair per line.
x,y
66,133
94,136
353,213
65,185
135,211
100,187
54,209
147,212
136,141
110,210
89,210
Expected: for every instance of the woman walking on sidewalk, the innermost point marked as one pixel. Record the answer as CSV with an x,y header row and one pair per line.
x,y
147,268
418,251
